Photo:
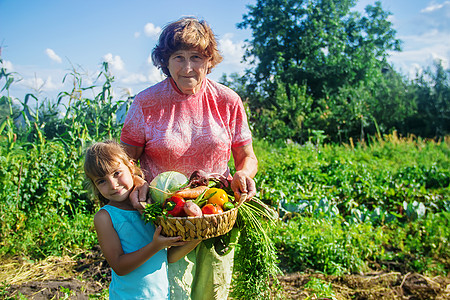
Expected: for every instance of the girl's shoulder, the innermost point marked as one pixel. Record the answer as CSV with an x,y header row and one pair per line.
x,y
102,217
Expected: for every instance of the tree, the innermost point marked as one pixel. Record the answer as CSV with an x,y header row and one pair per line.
x,y
320,44
433,103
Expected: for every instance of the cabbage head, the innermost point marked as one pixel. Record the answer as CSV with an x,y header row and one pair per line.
x,y
164,184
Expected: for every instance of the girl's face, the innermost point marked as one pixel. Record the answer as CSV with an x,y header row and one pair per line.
x,y
188,68
116,186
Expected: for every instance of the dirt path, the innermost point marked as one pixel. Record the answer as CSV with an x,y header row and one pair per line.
x,y
87,277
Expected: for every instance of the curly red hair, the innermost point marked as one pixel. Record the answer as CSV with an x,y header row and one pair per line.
x,y
185,34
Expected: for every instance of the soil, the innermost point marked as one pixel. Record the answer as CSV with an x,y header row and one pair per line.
x,y
87,277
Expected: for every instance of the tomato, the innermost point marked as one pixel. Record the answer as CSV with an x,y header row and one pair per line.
x,y
211,209
218,197
178,206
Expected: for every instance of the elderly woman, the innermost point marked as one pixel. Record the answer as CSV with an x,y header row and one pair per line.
x,y
185,123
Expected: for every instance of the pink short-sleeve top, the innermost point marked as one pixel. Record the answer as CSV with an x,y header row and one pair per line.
x,y
185,133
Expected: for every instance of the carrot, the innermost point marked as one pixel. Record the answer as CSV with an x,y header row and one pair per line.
x,y
191,193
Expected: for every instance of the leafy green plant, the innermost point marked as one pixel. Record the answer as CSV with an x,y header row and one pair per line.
x,y
255,260
421,243
326,245
319,288
381,175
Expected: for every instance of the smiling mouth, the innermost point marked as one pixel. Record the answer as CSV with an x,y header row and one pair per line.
x,y
119,191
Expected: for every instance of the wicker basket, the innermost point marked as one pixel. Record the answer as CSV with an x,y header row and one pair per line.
x,y
203,227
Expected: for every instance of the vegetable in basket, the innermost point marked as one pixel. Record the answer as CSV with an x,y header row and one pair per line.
x,y
192,209
175,206
216,196
165,184
211,209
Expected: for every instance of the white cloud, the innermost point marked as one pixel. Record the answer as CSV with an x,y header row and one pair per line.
x,y
435,16
134,78
421,51
232,52
151,30
434,6
115,62
52,55
40,86
137,34
155,75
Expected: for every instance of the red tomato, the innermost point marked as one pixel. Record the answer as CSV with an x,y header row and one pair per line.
x,y
210,209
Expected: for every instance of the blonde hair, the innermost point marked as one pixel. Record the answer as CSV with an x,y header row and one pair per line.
x,y
101,159
184,34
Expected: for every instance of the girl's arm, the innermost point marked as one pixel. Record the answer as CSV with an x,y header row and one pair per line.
x,y
175,253
111,247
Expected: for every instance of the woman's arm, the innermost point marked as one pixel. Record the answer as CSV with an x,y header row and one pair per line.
x,y
134,152
246,165
111,247
175,253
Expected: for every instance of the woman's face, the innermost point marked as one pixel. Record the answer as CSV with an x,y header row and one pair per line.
x,y
188,69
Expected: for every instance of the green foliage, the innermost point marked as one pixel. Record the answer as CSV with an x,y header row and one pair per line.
x,y
44,176
85,118
433,103
318,66
320,288
348,206
321,47
327,245
363,180
423,244
335,247
44,203
320,43
44,233
256,259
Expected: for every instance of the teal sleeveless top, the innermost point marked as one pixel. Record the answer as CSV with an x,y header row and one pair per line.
x,y
150,280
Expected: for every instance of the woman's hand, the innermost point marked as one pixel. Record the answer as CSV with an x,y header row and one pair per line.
x,y
243,184
246,167
138,196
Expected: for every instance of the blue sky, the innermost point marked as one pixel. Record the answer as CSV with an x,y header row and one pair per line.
x,y
42,40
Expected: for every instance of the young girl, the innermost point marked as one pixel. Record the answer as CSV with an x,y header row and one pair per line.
x,y
135,251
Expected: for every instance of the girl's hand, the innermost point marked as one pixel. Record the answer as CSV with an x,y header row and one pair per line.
x,y
166,242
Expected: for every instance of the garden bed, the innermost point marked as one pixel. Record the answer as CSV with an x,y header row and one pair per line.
x,y
87,277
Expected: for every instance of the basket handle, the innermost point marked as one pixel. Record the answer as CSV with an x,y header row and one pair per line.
x,y
242,199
